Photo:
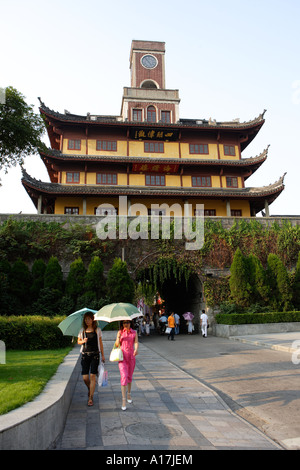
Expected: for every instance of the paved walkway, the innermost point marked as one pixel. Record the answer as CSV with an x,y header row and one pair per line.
x,y
171,410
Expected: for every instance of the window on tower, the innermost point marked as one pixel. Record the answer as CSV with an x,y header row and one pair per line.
x,y
137,115
166,116
74,144
155,180
151,114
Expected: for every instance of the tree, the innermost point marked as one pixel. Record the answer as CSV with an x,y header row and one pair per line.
x,y
281,291
120,286
37,272
94,281
6,300
20,281
240,280
296,286
20,129
76,279
258,279
53,277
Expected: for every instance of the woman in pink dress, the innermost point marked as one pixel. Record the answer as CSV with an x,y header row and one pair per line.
x,y
128,339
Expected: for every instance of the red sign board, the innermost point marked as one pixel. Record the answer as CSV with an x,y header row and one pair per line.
x,y
155,167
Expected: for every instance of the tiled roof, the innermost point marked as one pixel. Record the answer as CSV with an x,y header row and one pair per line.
x,y
93,190
57,155
182,123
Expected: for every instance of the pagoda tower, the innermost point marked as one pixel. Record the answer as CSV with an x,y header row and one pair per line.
x,y
149,154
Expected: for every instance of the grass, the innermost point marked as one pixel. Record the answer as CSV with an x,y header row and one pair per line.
x,y
25,374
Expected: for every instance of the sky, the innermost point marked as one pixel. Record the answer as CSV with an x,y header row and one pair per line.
x,y
228,58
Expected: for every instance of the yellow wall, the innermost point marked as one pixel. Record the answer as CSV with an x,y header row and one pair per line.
x,y
138,179
212,152
62,202
172,204
136,149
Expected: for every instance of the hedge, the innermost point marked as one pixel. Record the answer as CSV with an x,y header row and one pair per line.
x,y
32,333
250,318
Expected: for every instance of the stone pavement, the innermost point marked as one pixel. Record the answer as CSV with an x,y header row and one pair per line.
x,y
286,342
171,410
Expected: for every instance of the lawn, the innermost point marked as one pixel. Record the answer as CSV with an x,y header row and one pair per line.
x,y
25,374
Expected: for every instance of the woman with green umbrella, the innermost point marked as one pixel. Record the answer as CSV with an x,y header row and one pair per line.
x,y
90,339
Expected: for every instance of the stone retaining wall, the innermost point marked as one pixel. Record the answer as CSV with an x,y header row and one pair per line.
x,y
226,331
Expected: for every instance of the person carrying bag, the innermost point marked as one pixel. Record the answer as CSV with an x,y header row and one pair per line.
x,y
90,339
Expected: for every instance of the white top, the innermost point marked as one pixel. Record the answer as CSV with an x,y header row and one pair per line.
x,y
204,318
99,335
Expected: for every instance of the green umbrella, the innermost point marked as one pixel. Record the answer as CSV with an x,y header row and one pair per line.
x,y
71,325
117,312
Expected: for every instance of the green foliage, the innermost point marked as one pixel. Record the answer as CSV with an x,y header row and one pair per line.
x,y
38,273
216,291
120,287
296,285
76,279
165,267
20,129
20,283
53,277
240,280
94,279
32,333
281,291
251,318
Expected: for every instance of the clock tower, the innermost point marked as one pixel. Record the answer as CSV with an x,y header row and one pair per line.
x,y
148,99
147,64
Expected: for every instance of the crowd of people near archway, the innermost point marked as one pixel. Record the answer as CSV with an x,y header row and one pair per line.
x,y
158,321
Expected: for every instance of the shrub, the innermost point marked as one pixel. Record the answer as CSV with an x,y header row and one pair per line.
x,y
53,277
76,279
37,272
240,280
296,285
250,318
20,282
94,281
120,287
32,333
280,284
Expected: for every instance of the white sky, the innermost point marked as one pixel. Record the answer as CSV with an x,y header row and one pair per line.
x,y
228,58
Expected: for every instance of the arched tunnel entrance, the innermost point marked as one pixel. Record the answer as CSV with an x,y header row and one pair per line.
x,y
179,295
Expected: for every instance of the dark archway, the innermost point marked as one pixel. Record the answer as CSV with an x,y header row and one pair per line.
x,y
183,296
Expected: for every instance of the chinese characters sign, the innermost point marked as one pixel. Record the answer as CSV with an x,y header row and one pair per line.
x,y
156,167
153,134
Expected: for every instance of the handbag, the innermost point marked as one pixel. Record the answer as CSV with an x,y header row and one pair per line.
x,y
168,330
116,354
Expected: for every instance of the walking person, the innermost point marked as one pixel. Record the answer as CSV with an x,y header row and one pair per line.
x,y
204,323
172,325
90,339
177,322
127,338
190,326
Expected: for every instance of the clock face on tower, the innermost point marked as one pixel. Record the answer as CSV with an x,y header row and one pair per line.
x,y
149,61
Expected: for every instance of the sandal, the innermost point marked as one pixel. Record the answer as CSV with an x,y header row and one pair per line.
x,y
90,402
123,404
129,399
